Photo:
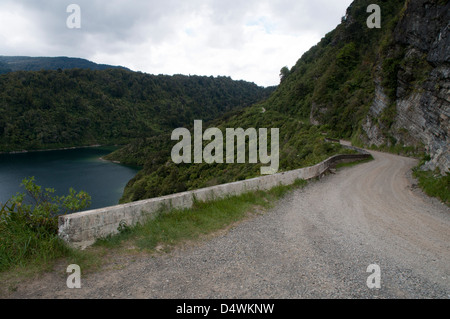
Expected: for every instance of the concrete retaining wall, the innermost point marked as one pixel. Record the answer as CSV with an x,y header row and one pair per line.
x,y
82,229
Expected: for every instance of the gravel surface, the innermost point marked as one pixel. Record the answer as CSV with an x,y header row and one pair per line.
x,y
316,243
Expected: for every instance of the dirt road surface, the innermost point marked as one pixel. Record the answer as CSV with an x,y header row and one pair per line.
x,y
318,242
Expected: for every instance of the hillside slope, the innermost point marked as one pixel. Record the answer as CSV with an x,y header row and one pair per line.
x,y
385,87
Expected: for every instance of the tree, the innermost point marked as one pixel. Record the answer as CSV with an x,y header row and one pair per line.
x,y
284,72
38,209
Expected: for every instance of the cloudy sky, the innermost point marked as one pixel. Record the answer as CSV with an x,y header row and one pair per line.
x,y
245,39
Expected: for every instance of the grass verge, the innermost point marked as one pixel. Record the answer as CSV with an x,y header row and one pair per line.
x,y
350,164
169,228
434,184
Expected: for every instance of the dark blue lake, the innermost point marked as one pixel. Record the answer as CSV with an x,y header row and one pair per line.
x,y
79,168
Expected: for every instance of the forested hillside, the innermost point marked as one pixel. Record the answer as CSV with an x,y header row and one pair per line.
x,y
26,63
333,83
52,109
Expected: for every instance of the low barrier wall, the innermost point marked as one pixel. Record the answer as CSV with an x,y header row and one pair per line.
x,y
82,229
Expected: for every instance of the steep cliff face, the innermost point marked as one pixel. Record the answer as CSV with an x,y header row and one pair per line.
x,y
420,103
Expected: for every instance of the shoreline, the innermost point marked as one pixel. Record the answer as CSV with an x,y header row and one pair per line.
x,y
111,161
72,148
56,149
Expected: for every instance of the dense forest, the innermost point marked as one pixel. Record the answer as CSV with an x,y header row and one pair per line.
x,y
77,107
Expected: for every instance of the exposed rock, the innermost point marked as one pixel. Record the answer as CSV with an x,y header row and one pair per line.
x,y
380,101
373,133
316,112
423,93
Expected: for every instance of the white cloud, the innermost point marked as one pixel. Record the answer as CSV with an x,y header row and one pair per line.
x,y
250,40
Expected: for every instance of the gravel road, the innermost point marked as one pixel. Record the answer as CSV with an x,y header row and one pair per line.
x,y
316,243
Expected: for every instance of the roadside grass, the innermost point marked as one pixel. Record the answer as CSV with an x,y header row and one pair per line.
x,y
169,228
351,164
48,255
29,242
410,151
22,250
398,149
434,184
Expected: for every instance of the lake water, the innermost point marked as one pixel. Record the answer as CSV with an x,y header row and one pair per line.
x,y
79,168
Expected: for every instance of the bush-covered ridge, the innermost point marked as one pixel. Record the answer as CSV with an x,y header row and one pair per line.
x,y
52,109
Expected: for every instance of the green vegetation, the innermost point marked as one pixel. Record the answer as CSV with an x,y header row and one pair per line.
x,y
29,224
333,83
390,69
412,151
300,145
433,184
79,107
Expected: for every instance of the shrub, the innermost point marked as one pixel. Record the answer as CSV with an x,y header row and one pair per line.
x,y
29,223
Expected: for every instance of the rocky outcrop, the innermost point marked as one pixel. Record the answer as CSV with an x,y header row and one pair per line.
x,y
423,92
371,126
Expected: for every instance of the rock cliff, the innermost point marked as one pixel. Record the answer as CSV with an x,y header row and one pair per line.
x,y
421,100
